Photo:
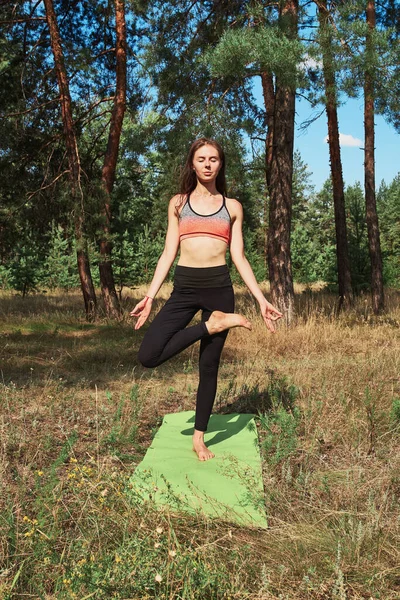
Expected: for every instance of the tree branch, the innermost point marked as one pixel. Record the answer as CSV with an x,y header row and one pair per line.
x,y
25,112
45,187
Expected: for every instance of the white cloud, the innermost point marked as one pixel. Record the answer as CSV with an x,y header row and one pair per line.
x,y
310,63
346,139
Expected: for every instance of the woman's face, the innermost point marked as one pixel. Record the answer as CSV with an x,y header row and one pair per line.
x,y
206,163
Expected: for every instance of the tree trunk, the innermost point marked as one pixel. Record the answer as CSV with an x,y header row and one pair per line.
x,y
269,103
110,297
369,169
342,248
85,276
280,210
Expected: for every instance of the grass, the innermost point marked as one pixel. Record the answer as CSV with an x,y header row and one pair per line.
x,y
77,413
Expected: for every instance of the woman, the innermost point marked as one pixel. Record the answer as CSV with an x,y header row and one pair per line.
x,y
202,222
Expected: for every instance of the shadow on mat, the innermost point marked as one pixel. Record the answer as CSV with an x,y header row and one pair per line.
x,y
224,426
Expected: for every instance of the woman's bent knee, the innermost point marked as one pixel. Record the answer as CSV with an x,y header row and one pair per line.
x,y
146,359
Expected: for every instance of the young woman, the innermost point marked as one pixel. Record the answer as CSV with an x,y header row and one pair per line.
x,y
202,223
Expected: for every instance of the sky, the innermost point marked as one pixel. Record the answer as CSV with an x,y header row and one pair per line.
x,y
314,149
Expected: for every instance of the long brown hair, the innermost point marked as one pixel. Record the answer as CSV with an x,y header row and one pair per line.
x,y
188,178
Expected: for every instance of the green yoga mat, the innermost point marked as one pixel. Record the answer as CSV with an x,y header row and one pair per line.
x,y
228,487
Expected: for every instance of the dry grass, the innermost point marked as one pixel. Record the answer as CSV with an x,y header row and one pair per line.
x,y
78,412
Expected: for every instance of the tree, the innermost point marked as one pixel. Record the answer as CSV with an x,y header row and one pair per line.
x,y
388,204
267,46
369,164
342,251
74,174
358,241
110,161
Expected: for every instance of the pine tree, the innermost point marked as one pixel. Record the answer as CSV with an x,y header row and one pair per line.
x,y
369,164
110,162
268,43
342,251
74,174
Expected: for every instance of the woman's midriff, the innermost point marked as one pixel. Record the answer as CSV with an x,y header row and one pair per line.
x,y
202,251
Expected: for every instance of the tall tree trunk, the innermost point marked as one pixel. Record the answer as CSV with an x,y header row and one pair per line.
x,y
369,168
85,276
110,297
342,247
280,210
269,103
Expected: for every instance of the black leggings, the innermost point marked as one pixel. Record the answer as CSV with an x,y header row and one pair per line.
x,y
168,333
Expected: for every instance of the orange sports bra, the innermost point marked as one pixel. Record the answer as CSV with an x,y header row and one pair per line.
x,y
217,225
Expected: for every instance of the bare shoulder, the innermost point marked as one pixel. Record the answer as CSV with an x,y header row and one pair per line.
x,y
176,203
234,207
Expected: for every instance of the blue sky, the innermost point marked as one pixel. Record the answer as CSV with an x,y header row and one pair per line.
x,y
315,152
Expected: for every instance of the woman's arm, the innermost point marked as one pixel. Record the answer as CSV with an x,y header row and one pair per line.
x,y
143,308
268,311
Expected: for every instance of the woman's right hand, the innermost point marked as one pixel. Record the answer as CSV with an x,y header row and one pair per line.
x,y
142,311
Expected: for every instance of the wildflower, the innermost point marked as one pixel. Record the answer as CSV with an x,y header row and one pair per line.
x,y
158,578
29,533
159,529
157,545
118,559
72,460
172,553
39,473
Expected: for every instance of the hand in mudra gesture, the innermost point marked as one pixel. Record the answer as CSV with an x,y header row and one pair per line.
x,y
142,311
270,314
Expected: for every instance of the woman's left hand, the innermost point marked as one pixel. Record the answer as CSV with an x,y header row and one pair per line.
x,y
270,314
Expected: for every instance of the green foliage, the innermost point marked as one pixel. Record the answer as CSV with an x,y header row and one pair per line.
x,y
25,269
305,256
136,259
278,415
214,56
281,424
281,434
388,203
395,411
313,238
357,237
252,50
60,264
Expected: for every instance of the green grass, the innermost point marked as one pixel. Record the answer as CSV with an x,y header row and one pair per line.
x,y
77,413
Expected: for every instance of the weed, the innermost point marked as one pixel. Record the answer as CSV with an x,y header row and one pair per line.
x,y
395,412
280,438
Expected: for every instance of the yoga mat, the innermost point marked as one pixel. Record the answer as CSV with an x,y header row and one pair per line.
x,y
228,487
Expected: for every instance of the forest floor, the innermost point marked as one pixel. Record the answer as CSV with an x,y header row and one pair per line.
x,y
77,413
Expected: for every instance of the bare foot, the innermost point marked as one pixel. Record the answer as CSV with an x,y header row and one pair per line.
x,y
199,446
219,321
